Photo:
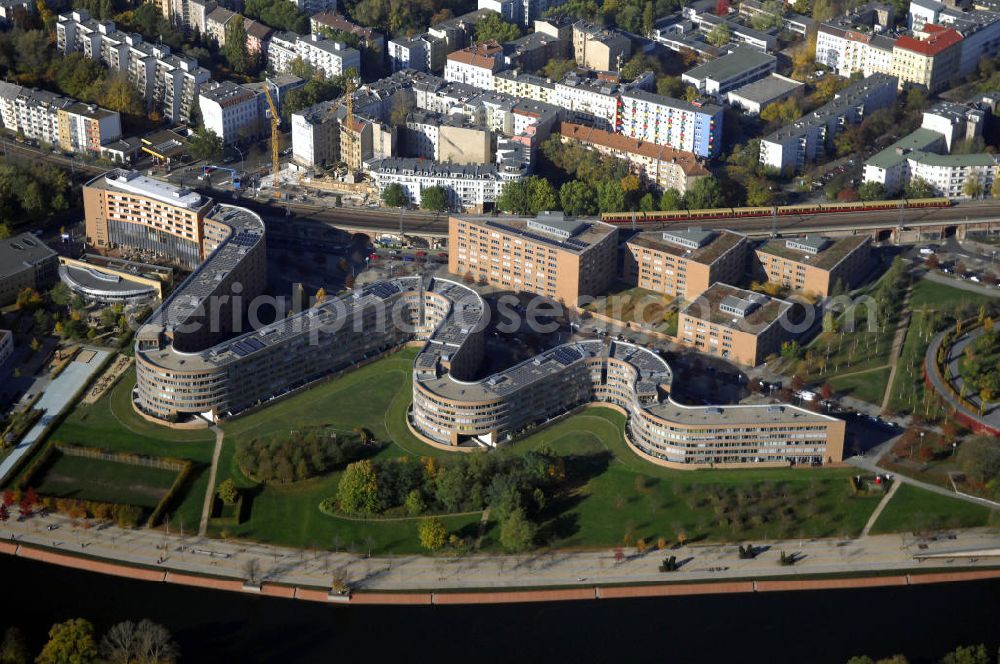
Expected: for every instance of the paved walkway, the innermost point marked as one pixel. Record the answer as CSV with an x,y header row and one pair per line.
x,y
228,559
897,347
206,510
881,506
990,419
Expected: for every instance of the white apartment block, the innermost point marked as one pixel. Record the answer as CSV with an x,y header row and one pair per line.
x,y
807,138
594,101
164,80
474,65
847,51
329,58
469,187
407,54
58,121
231,111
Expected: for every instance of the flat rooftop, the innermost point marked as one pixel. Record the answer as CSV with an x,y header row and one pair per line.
x,y
140,185
718,244
22,251
898,152
834,251
586,233
761,414
765,311
741,60
766,89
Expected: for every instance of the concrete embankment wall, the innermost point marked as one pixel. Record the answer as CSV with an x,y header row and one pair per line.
x,y
493,596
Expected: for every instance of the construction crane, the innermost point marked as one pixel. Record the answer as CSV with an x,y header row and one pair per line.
x,y
275,134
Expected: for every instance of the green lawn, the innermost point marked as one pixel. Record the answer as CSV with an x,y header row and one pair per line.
x,y
931,294
868,386
105,481
111,423
913,509
609,490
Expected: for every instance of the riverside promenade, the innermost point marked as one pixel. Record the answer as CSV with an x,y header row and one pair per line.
x,y
239,566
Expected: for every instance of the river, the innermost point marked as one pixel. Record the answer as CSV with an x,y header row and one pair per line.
x,y
922,622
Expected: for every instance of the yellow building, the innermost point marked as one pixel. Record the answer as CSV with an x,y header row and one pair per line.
x,y
814,265
552,256
736,324
123,209
930,61
684,263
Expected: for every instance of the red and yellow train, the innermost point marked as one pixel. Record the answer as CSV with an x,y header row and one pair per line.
x,y
784,210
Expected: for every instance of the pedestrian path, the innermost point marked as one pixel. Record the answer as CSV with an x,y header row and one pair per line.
x,y
206,510
897,347
881,506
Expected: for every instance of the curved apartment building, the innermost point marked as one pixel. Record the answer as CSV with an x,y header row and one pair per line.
x,y
192,359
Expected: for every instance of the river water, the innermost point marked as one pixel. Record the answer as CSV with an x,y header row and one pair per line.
x,y
922,622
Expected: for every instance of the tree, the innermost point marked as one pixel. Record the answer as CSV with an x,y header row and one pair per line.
x,y
704,194
759,193
493,27
434,199
968,655
722,8
228,492
517,533
70,642
280,14
782,112
432,533
918,188
357,491
205,145
670,86
979,457
14,649
558,68
770,16
143,643
648,19
577,199
119,95
871,191
671,200
720,35
414,503
973,188
235,50
610,196
4,514
514,198
395,196
995,189
541,195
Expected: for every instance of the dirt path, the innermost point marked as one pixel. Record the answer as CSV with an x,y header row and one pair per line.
x,y
897,347
206,510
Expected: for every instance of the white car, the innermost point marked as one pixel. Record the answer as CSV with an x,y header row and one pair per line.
x,y
926,251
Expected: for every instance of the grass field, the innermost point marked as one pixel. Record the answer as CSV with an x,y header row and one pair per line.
x,y
610,490
913,509
868,386
105,481
111,423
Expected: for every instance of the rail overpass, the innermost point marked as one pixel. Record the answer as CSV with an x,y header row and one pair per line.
x,y
887,225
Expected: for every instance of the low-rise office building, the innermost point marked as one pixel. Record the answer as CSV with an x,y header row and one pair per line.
x,y
738,325
659,165
815,265
684,263
755,97
737,68
551,255
25,262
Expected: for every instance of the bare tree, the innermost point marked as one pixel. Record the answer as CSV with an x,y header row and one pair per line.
x,y
143,643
